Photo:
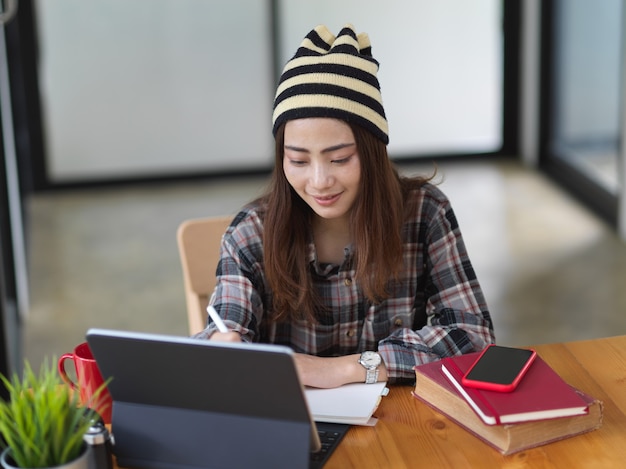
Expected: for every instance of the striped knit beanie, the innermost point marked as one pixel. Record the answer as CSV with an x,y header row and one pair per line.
x,y
332,77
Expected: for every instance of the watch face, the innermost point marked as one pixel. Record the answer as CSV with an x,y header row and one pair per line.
x,y
370,359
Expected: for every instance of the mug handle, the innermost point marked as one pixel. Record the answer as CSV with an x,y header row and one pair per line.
x,y
63,373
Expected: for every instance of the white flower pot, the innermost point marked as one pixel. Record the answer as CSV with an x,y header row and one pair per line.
x,y
82,462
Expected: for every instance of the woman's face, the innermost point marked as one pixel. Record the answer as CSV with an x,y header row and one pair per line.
x,y
322,164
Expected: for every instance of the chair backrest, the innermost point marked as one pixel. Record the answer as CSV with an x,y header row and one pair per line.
x,y
199,248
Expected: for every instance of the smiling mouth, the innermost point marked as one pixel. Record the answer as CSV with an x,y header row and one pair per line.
x,y
327,199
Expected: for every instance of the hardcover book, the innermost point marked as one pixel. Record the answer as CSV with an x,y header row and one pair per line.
x,y
436,390
541,394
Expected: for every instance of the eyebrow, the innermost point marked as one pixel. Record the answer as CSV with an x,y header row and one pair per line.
x,y
330,149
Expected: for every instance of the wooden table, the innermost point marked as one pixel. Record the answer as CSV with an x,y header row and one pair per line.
x,y
410,434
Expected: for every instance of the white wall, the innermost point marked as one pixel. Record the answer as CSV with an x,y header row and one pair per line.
x,y
149,87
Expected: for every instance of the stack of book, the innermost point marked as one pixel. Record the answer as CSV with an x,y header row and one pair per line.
x,y
542,409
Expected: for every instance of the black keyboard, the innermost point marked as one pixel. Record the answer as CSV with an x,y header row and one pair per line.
x,y
330,435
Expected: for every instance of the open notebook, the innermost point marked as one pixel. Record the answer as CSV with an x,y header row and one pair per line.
x,y
353,404
180,402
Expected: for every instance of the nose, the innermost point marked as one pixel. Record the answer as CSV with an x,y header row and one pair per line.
x,y
321,176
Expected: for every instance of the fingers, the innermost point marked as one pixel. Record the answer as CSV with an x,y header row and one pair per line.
x,y
226,337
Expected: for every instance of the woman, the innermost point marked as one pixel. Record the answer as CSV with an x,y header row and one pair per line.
x,y
362,272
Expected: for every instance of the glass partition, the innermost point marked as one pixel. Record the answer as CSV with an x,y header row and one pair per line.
x,y
441,66
587,85
582,105
166,87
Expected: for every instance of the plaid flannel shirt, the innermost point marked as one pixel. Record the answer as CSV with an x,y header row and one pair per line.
x,y
437,308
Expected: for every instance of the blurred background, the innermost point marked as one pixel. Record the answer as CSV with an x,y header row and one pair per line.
x,y
122,119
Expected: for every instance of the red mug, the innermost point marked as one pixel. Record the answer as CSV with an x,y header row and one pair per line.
x,y
88,380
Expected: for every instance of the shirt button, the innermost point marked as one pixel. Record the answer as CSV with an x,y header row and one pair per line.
x,y
350,333
347,282
397,322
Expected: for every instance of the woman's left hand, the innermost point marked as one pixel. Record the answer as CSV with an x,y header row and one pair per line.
x,y
331,372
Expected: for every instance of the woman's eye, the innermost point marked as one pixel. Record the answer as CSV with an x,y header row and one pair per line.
x,y
342,160
297,162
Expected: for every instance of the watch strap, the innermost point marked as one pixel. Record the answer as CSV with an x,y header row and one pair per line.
x,y
371,375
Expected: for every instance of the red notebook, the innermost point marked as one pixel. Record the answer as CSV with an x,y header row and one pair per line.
x,y
542,394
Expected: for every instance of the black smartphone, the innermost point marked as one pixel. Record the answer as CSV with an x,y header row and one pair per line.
x,y
499,368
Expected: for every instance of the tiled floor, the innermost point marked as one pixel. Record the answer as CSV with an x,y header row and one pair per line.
x,y
551,270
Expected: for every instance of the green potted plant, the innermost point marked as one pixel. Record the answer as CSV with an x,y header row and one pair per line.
x,y
42,423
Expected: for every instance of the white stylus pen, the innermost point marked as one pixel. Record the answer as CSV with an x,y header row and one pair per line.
x,y
217,319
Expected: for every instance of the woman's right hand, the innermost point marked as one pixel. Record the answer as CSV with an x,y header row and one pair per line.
x,y
226,336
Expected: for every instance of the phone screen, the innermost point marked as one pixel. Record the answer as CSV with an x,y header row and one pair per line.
x,y
500,365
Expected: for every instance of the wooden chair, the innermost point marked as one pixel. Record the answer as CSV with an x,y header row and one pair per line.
x,y
199,248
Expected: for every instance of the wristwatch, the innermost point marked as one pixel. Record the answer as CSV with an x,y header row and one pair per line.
x,y
370,361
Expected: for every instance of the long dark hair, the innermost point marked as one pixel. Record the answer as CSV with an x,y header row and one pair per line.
x,y
376,224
